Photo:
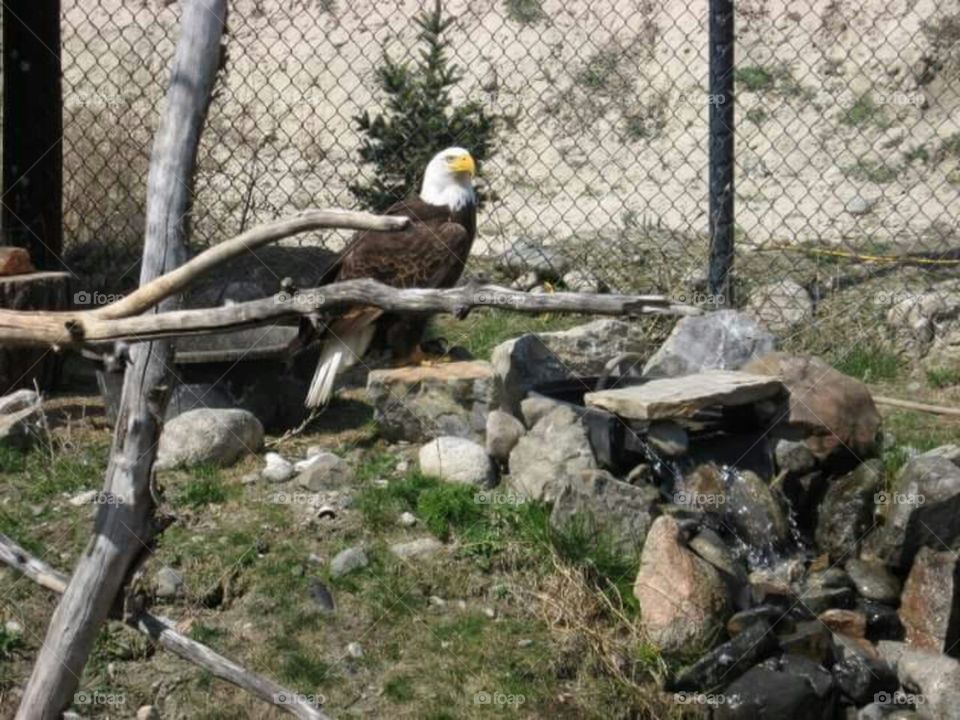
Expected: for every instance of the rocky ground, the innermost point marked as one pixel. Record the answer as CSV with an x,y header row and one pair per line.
x,y
442,543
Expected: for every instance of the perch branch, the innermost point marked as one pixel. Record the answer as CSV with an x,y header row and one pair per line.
x,y
180,278
163,632
918,406
79,328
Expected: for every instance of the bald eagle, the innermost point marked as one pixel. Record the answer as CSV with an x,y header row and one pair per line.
x,y
430,253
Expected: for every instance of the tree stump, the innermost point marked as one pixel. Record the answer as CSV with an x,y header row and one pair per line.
x,y
21,366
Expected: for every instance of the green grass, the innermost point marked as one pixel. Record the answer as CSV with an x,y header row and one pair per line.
x,y
205,633
950,148
943,377
39,476
755,78
875,171
917,154
525,11
865,112
399,689
869,363
447,508
205,487
304,670
757,115
600,70
485,329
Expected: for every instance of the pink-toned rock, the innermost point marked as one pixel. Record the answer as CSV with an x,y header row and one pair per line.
x,y
845,622
15,261
683,600
930,603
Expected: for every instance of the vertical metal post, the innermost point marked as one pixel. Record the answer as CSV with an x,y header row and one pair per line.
x,y
719,278
31,191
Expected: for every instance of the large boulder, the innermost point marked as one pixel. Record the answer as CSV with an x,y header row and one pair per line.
x,y
530,360
623,511
922,508
722,340
684,601
934,676
793,687
457,460
418,403
552,455
930,602
833,412
846,513
220,437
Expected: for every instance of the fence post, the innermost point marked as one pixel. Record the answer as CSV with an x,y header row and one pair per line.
x,y
720,102
32,178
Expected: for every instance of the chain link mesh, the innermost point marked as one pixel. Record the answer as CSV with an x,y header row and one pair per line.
x,y
848,144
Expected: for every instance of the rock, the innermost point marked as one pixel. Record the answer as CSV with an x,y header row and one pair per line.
x,y
22,428
355,650
683,599
667,398
219,437
873,581
883,622
947,452
846,512
765,615
169,583
930,603
624,512
84,498
532,255
755,513
278,468
845,622
17,401
321,595
726,662
722,340
793,457
346,561
710,546
326,471
148,712
834,411
810,639
935,676
15,261
191,396
792,687
781,306
526,282
457,460
862,679
535,407
922,508
417,549
530,360
552,455
858,205
419,403
668,438
503,433
407,519
819,600
583,281
13,628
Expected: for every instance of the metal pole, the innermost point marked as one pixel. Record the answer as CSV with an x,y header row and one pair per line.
x,y
719,279
32,177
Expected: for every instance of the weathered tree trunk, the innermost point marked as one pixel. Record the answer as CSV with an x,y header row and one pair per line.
x,y
123,529
20,366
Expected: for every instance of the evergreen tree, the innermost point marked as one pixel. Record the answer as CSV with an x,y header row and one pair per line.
x,y
419,120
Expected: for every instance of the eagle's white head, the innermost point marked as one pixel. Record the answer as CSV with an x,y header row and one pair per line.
x,y
448,179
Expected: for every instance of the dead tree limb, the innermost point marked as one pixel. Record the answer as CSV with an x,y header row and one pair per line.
x,y
163,632
80,328
123,531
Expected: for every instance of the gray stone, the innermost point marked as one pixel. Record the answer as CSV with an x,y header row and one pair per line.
x,y
531,254
457,460
755,513
220,437
726,662
148,712
668,438
415,549
846,512
781,306
169,583
858,205
321,595
683,599
522,363
325,471
947,452
935,676
789,687
534,407
18,400
722,340
922,508
278,468
347,561
503,433
552,455
418,403
407,519
623,511
582,281
873,581
355,650
793,457
711,547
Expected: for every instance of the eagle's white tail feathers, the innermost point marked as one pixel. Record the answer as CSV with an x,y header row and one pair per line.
x,y
340,352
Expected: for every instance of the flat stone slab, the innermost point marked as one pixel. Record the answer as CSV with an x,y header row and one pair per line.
x,y
682,397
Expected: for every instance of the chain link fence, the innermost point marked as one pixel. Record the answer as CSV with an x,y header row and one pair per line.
x,y
847,146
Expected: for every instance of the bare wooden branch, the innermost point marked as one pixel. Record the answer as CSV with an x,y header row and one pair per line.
x,y
918,406
79,328
164,632
123,530
180,278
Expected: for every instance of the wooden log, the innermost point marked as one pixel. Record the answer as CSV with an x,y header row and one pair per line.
x,y
164,632
123,531
20,366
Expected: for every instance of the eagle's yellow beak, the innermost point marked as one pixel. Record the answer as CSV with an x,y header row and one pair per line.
x,y
463,164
